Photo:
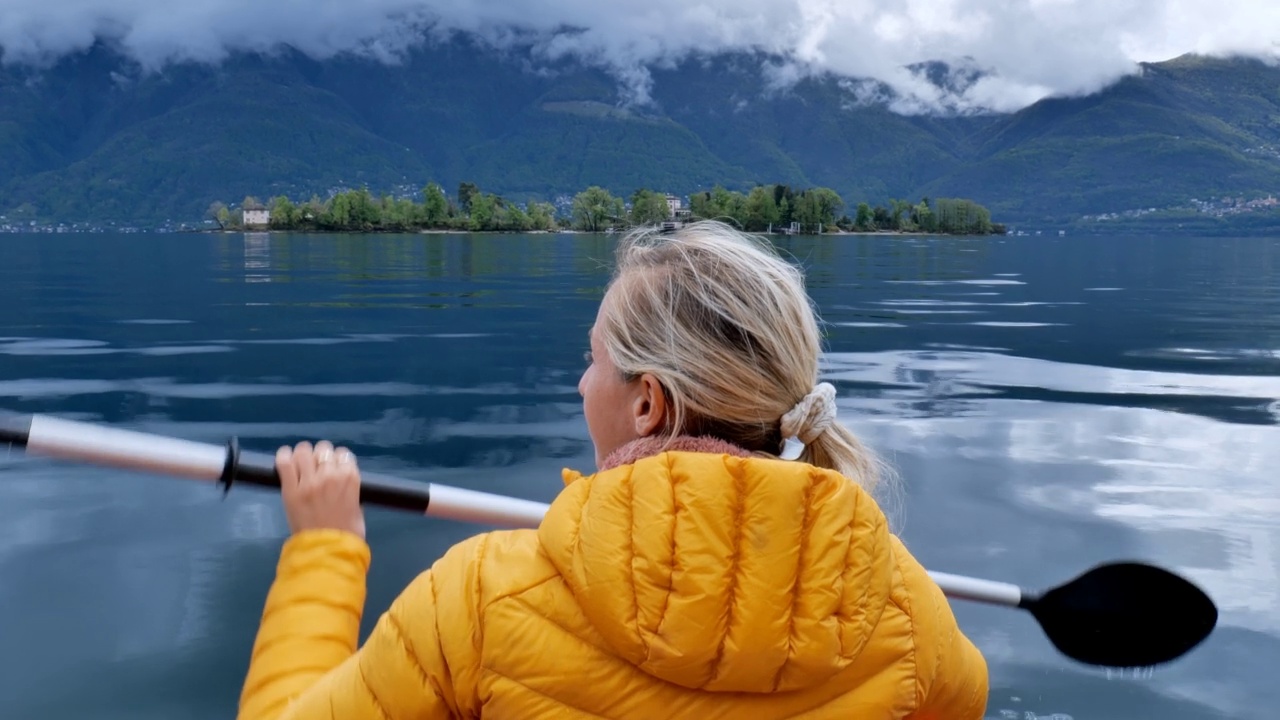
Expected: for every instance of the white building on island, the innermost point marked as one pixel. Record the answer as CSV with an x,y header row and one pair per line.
x,y
257,218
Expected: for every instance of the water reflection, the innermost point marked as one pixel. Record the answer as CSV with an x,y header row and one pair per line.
x,y
257,257
358,259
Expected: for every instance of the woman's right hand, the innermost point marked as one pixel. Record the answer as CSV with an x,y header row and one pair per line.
x,y
321,488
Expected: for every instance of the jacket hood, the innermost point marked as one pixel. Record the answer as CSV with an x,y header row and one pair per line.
x,y
715,570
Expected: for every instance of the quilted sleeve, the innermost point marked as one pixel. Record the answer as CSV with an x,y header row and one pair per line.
x,y
959,688
952,682
305,665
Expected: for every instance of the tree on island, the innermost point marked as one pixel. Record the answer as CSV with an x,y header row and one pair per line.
x,y
648,207
595,209
435,206
466,191
219,213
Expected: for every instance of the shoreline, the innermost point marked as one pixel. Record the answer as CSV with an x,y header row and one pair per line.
x,y
433,231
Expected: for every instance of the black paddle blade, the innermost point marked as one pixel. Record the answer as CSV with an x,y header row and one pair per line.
x,y
1125,615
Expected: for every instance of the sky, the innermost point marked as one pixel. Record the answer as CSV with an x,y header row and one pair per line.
x,y
1026,49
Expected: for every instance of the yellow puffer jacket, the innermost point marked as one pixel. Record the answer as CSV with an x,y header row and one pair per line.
x,y
683,585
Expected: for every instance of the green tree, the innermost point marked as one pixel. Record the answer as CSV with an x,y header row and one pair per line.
x,y
785,198
817,207
961,216
284,215
312,211
648,207
337,215
435,205
595,209
511,217
484,210
719,204
864,220
899,214
466,191
397,213
730,204
700,205
366,213
219,213
923,217
761,209
541,216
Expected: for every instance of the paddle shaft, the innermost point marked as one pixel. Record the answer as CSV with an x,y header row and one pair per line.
x,y
228,464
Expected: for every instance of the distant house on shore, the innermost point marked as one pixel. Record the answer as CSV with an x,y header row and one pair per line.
x,y
673,205
257,218
677,215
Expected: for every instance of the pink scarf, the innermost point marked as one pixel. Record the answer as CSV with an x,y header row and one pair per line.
x,y
649,446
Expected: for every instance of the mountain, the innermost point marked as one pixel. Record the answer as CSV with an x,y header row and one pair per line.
x,y
1187,128
94,138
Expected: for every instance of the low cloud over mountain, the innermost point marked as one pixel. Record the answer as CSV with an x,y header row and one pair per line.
x,y
1008,53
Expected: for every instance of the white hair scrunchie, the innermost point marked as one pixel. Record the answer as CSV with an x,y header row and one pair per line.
x,y
807,420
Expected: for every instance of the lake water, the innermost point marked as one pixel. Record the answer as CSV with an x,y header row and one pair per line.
x,y
1050,403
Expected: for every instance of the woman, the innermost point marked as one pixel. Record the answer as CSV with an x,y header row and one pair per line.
x,y
726,560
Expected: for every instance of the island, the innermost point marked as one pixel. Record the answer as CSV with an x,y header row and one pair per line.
x,y
772,209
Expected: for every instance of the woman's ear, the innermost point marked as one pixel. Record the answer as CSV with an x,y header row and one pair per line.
x,y
649,406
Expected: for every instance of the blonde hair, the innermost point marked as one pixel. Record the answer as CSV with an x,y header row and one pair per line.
x,y
725,325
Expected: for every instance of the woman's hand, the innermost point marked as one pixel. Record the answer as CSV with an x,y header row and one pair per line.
x,y
321,488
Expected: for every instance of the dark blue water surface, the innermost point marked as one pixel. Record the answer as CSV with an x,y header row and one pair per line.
x,y
1050,403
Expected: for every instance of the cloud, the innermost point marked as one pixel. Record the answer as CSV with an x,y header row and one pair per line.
x,y
1013,52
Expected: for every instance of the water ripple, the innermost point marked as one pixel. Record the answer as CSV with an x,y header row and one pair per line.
x,y
967,371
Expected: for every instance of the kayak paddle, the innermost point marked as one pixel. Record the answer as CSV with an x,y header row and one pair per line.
x,y
1123,615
